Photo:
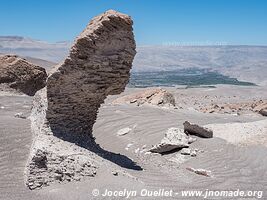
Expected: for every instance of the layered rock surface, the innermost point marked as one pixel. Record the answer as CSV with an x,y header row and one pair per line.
x,y
98,65
19,74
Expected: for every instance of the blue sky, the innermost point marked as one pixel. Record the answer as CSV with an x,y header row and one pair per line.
x,y
155,21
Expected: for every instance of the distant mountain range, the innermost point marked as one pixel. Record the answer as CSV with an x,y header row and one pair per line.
x,y
28,47
246,63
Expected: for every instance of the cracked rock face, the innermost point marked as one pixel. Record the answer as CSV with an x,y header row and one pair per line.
x,y
98,65
19,74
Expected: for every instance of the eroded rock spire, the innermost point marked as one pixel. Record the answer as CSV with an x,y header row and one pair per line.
x,y
98,65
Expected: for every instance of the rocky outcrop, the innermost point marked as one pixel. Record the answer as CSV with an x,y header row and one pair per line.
x,y
195,129
174,138
235,108
98,65
19,74
157,96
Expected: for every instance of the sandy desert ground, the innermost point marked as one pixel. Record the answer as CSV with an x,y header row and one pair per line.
x,y
235,156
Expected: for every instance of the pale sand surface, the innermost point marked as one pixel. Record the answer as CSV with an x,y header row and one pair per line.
x,y
233,166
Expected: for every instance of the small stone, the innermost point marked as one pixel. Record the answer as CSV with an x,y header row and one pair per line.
x,y
193,153
143,151
137,150
124,131
191,140
185,151
128,146
144,146
115,173
263,112
202,172
20,115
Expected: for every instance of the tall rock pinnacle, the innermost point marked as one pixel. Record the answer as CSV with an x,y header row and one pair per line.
x,y
98,65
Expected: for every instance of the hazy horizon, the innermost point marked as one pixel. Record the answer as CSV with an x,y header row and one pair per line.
x,y
177,44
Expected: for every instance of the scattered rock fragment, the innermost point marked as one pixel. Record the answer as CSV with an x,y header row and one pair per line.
x,y
143,151
144,146
128,146
263,112
197,130
115,173
148,152
185,151
137,150
124,131
202,172
174,138
193,153
191,139
20,115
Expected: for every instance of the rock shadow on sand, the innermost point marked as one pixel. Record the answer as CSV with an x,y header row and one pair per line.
x,y
88,142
